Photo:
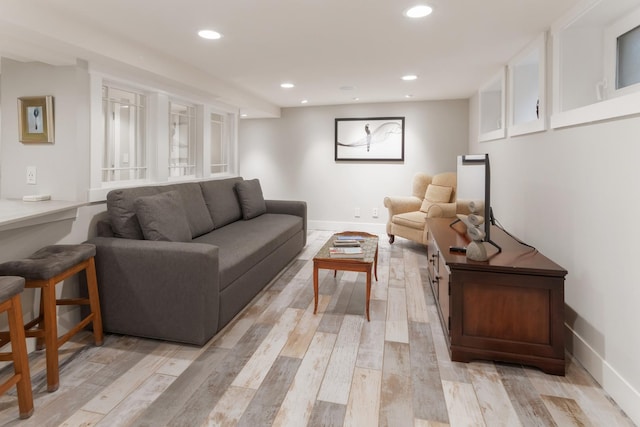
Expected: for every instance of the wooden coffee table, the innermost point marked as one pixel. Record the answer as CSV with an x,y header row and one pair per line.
x,y
363,265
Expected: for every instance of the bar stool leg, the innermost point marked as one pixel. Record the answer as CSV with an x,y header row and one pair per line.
x,y
94,301
20,358
48,295
40,339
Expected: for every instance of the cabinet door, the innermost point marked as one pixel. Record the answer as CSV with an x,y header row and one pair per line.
x,y
509,313
433,256
443,292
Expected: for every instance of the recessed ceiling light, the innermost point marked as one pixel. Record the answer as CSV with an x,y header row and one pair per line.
x,y
209,34
408,95
243,115
419,11
409,77
287,85
356,99
304,101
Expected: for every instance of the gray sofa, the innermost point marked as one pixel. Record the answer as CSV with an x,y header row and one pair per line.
x,y
177,262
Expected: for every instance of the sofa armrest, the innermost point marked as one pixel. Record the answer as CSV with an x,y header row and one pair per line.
x,y
290,207
104,229
401,204
166,290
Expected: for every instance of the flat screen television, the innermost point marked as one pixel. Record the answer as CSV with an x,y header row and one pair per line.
x,y
474,185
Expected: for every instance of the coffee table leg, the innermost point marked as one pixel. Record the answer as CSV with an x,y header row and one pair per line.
x,y
368,291
315,289
375,263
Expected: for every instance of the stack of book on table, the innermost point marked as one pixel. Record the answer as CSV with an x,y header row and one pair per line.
x,y
346,247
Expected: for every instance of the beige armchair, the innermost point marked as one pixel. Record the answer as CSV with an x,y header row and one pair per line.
x,y
432,196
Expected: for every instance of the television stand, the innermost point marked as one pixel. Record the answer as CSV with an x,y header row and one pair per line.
x,y
509,308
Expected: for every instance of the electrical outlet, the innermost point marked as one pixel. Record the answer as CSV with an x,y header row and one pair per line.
x,y
356,212
31,175
374,212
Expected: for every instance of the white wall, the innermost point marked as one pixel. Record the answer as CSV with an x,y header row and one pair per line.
x,y
572,194
293,157
62,167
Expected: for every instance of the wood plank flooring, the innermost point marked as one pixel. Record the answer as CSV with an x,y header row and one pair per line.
x,y
279,364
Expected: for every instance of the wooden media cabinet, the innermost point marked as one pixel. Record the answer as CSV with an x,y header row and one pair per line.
x,y
509,308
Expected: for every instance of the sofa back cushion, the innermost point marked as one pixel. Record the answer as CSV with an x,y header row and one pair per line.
x,y
122,212
222,201
162,217
198,215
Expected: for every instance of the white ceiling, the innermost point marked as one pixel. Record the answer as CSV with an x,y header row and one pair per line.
x,y
320,45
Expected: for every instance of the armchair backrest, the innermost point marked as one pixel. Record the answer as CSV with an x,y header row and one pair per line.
x,y
446,179
420,183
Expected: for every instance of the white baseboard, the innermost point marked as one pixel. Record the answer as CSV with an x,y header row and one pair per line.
x,y
611,381
369,227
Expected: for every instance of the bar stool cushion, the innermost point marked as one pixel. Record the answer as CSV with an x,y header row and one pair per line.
x,y
48,261
10,286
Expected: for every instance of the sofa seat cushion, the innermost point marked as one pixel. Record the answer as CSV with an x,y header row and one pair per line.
x,y
245,243
415,219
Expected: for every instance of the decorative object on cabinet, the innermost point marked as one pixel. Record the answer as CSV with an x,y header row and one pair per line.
x,y
476,249
372,138
35,119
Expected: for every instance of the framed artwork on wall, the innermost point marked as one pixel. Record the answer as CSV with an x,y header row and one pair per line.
x,y
370,138
35,118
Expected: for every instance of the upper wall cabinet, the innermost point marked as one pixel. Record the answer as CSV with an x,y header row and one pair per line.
x,y
596,71
492,109
527,88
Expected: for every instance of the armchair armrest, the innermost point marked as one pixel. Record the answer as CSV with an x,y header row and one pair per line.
x,y
442,210
166,290
401,204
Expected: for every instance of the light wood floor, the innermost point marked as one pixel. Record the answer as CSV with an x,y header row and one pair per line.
x,y
278,364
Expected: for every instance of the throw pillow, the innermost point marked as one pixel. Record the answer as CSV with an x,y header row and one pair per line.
x,y
251,198
435,194
162,217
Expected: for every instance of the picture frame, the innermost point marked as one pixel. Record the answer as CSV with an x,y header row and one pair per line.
x,y
35,119
369,139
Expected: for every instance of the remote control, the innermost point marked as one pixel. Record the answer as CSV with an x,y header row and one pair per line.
x,y
458,249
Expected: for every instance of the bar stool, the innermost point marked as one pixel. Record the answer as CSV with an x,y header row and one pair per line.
x,y
43,270
10,290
